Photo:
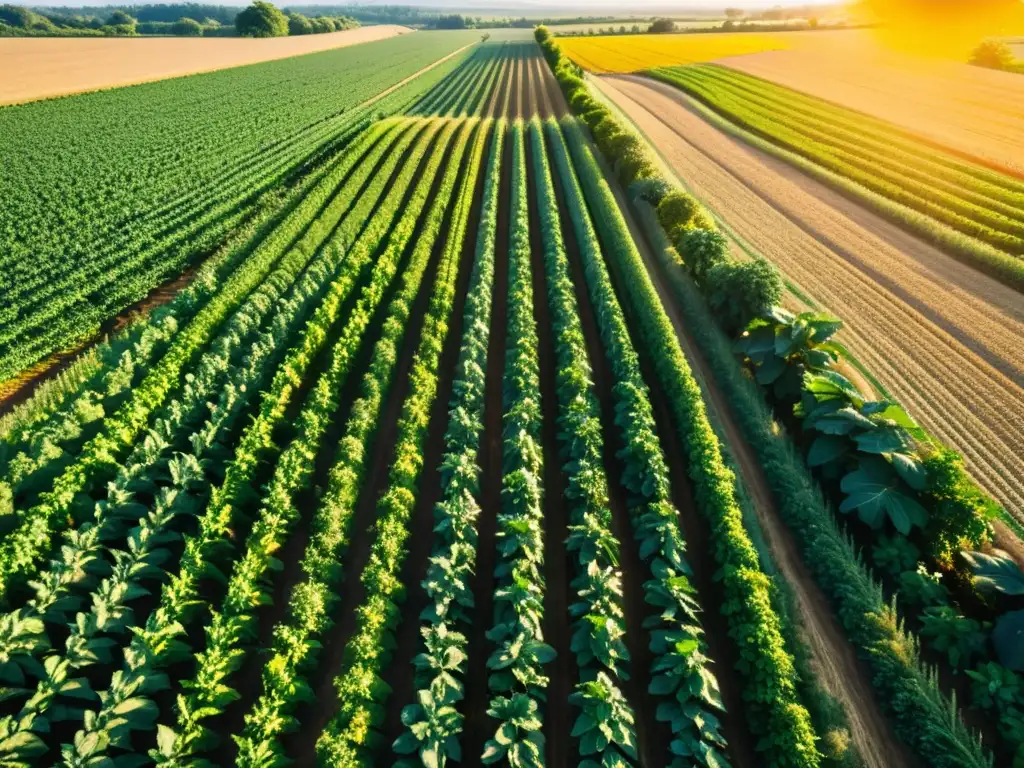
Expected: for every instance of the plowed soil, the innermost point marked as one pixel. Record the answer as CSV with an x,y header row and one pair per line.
x,y
942,338
41,67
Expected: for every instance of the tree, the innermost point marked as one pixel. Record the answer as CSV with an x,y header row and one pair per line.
x,y
299,24
261,19
993,54
120,18
662,26
735,13
187,28
454,21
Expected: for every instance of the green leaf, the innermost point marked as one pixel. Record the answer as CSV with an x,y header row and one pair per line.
x,y
996,571
825,449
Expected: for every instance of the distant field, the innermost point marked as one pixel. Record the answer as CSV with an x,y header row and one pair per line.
x,y
972,110
40,67
563,29
630,53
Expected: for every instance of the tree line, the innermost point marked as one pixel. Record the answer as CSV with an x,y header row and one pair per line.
x,y
261,19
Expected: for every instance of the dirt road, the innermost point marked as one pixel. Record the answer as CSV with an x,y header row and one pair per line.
x,y
41,67
943,339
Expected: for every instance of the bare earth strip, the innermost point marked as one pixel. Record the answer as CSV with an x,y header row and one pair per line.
x,y
833,658
976,111
945,341
42,67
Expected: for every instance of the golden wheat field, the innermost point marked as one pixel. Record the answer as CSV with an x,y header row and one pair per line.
x,y
631,53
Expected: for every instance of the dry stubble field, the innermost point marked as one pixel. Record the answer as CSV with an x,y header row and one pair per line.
x,y
942,338
40,67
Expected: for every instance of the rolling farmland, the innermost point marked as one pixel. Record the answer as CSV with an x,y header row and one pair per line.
x,y
423,422
366,440
45,67
826,244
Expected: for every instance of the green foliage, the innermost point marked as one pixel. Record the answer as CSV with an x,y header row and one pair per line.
x,y
80,255
921,715
434,725
261,19
770,686
949,632
743,291
702,250
947,191
186,27
686,688
960,512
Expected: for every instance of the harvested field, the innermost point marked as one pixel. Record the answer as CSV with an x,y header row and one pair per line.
x,y
982,110
42,67
943,339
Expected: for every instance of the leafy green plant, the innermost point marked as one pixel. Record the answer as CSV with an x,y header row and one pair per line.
x,y
949,632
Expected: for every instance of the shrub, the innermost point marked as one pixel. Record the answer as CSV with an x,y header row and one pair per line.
x,y
186,27
652,190
581,101
261,19
633,161
701,250
740,291
677,210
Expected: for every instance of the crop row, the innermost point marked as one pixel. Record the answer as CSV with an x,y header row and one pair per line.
x,y
605,726
517,679
680,675
207,692
433,720
818,142
297,636
774,710
361,693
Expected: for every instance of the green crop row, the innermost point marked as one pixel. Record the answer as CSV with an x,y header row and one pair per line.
x,y
207,693
921,714
178,487
297,637
349,738
517,680
605,725
434,724
970,219
680,674
775,713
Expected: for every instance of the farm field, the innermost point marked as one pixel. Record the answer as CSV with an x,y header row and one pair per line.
x,y
40,67
397,454
631,53
887,285
982,110
395,405
954,196
145,183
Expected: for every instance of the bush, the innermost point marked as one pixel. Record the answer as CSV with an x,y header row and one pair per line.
x,y
662,26
186,27
581,101
634,163
740,291
261,19
652,190
702,250
676,211
299,24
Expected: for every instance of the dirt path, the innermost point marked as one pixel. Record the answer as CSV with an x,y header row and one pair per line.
x,y
944,340
48,67
832,656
